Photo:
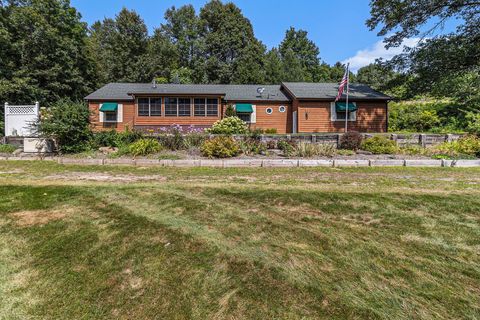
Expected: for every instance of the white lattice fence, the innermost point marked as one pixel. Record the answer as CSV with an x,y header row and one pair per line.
x,y
18,119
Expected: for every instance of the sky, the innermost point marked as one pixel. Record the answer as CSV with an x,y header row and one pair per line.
x,y
337,27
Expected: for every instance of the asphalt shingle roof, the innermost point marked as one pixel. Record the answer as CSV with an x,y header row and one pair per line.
x,y
307,90
123,91
299,90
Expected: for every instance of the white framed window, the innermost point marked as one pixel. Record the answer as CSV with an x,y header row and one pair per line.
x,y
269,110
149,107
282,109
340,116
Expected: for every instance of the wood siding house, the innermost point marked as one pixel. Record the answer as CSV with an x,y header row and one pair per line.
x,y
288,107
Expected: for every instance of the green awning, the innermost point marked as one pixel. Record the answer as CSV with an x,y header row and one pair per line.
x,y
342,107
244,108
109,106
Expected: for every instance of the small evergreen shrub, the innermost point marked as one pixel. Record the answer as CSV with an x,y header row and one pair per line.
x,y
7,148
220,147
144,147
379,145
351,141
230,111
230,125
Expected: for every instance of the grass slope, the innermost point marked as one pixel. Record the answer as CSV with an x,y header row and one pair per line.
x,y
118,242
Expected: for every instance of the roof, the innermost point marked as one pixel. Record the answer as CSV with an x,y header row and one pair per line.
x,y
329,91
124,91
238,92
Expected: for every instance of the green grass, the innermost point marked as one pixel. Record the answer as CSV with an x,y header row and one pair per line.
x,y
85,242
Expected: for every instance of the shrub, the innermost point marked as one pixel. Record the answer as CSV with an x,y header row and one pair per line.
x,y
351,141
7,148
68,123
412,150
128,137
473,122
379,145
288,147
345,152
220,147
144,147
271,131
193,140
252,146
467,145
105,139
230,125
307,150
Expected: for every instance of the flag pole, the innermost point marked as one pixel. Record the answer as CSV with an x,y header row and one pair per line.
x,y
346,105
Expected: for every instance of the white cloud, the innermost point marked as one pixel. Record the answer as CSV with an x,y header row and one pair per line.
x,y
369,55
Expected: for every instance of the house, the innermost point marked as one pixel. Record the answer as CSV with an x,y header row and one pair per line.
x,y
288,107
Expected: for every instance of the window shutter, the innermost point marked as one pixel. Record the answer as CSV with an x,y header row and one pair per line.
x,y
100,114
333,112
120,113
253,117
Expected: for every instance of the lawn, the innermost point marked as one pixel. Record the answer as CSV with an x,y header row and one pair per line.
x,y
202,243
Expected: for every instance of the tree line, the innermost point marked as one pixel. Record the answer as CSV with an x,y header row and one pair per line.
x,y
47,52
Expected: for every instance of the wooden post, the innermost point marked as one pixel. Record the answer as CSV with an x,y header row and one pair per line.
x,y
423,140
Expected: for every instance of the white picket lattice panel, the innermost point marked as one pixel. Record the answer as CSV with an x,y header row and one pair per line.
x,y
19,119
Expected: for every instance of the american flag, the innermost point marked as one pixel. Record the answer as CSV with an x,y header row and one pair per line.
x,y
343,84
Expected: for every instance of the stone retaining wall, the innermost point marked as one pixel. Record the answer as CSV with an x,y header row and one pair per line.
x,y
267,163
423,140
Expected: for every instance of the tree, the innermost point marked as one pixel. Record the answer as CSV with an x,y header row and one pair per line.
x,y
43,52
122,46
229,39
162,56
273,67
305,50
292,67
375,75
438,63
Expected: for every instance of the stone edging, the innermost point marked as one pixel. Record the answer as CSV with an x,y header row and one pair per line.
x,y
272,163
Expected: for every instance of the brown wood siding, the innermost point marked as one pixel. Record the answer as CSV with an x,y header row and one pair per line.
x,y
282,121
128,117
371,117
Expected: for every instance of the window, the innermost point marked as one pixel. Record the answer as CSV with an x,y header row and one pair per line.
x,y
143,107
212,107
155,106
110,116
149,107
184,107
245,116
269,111
340,115
177,107
199,107
282,109
205,107
171,107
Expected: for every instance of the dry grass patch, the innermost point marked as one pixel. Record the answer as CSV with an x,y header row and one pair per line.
x,y
40,217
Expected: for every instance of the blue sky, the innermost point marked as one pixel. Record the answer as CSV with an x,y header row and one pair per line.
x,y
337,27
